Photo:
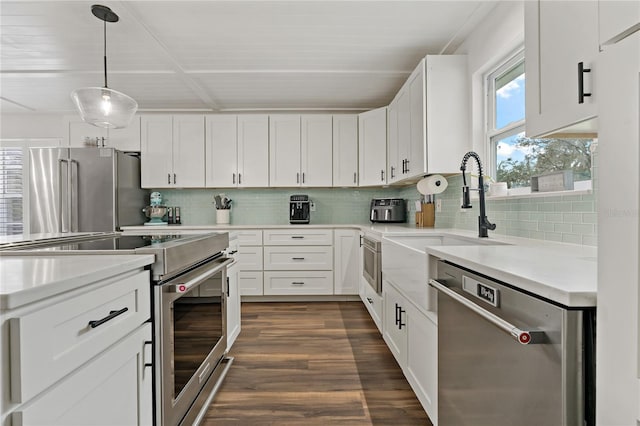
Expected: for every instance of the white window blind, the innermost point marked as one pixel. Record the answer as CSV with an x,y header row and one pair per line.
x,y
11,187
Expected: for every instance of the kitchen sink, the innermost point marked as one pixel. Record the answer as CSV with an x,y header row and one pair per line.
x,y
406,265
419,242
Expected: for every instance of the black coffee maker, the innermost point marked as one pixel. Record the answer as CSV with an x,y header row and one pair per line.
x,y
299,209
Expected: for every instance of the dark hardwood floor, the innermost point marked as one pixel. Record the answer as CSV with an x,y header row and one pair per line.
x,y
313,364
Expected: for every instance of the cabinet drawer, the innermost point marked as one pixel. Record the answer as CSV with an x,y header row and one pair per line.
x,y
291,282
250,237
63,336
304,237
250,283
298,258
114,388
249,258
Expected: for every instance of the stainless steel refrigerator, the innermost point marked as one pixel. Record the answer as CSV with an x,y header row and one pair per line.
x,y
84,190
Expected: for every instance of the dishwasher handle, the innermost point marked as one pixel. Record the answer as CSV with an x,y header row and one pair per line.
x,y
524,337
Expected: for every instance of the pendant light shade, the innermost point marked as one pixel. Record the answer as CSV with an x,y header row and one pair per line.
x,y
101,106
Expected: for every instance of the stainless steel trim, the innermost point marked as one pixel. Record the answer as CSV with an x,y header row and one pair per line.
x,y
198,410
177,409
374,278
62,209
524,337
73,199
193,279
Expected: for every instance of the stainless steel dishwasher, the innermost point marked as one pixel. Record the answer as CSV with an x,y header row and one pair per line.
x,y
506,357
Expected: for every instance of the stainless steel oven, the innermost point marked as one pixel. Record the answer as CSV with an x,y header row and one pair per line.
x,y
372,263
190,315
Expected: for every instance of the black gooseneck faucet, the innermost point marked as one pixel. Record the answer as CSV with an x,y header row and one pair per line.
x,y
483,223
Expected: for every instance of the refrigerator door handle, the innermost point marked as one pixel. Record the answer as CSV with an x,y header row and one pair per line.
x,y
73,186
63,199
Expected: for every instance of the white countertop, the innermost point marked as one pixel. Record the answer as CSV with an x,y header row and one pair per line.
x,y
28,279
554,274
564,273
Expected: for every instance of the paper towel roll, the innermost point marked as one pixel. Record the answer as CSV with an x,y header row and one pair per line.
x,y
434,184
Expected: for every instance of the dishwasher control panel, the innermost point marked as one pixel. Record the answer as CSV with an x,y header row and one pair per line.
x,y
482,291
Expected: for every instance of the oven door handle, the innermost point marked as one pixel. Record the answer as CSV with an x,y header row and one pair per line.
x,y
195,280
524,337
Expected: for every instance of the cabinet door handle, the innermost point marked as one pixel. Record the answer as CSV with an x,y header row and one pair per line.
x,y
400,323
392,174
406,165
361,240
227,286
370,300
112,315
174,178
234,179
148,342
297,237
297,282
302,177
239,178
297,258
297,177
169,178
355,177
382,175
581,92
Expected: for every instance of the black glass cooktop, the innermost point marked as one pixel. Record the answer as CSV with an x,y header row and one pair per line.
x,y
121,242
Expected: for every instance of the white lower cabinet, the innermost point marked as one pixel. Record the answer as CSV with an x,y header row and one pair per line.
x,y
113,389
250,262
298,262
82,358
298,282
233,305
373,302
346,261
422,360
412,337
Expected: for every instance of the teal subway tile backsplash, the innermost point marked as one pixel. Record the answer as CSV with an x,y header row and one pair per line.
x,y
564,218
270,206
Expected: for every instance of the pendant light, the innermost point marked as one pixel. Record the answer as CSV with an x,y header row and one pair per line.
x,y
101,106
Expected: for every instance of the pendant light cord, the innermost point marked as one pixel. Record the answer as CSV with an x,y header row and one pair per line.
x,y
105,54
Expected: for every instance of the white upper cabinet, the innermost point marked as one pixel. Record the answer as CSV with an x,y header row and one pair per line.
x,y
172,151
81,134
561,45
429,119
617,20
345,150
372,147
300,150
237,149
253,150
284,150
316,154
222,151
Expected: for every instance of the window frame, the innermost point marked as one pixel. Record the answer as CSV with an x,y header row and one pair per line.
x,y
493,135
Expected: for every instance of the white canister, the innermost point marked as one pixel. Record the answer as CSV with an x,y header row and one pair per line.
x,y
222,216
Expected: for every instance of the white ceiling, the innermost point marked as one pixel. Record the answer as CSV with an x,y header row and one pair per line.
x,y
225,55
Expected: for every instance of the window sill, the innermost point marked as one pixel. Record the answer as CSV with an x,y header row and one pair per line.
x,y
583,188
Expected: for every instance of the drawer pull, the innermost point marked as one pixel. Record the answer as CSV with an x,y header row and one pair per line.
x,y
297,258
297,237
370,300
298,283
112,315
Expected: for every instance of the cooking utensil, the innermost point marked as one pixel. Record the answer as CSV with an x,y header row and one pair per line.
x,y
218,201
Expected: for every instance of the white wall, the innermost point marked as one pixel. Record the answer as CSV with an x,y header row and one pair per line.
x,y
618,80
490,43
31,126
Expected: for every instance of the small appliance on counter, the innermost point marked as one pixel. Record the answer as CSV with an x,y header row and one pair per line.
x,y
299,209
388,210
156,211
